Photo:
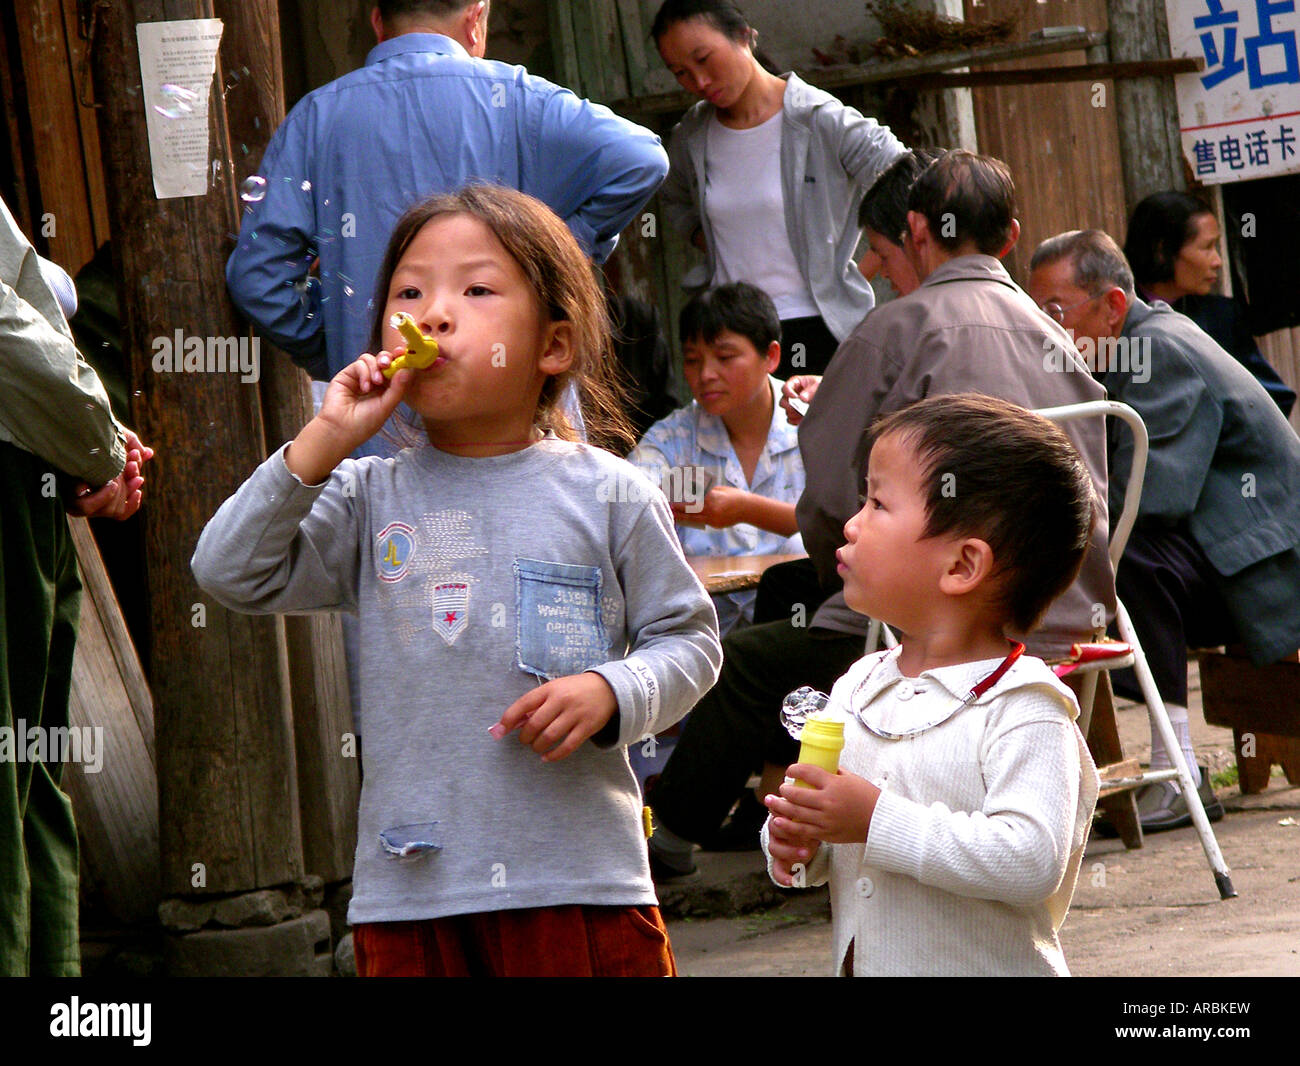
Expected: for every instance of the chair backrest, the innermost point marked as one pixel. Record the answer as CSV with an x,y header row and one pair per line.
x,y
1120,530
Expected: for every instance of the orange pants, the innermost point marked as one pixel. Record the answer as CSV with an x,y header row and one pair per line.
x,y
572,941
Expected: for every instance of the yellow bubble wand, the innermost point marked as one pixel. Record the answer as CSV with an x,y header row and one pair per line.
x,y
421,351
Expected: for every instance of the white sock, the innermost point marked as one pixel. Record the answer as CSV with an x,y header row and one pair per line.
x,y
1160,759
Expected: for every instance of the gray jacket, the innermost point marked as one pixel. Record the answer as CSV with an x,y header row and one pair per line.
x,y
968,328
830,156
1224,465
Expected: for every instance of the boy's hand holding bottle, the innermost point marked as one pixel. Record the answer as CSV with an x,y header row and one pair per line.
x,y
357,403
831,808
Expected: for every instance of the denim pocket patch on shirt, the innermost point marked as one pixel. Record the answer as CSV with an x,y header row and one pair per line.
x,y
560,627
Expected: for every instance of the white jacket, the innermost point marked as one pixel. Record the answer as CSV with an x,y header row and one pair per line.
x,y
977,837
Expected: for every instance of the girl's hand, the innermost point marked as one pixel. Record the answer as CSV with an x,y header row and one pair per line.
x,y
360,399
721,507
801,387
554,718
356,406
837,808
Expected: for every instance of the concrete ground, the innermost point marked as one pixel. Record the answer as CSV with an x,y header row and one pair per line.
x,y
1151,912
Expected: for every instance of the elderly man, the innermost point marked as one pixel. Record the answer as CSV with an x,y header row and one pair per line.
x,y
967,328
1215,555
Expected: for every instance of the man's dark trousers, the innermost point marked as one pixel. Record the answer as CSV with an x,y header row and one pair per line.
x,y
737,727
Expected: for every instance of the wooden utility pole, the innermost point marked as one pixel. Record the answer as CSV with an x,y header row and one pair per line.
x,y
328,781
1147,108
224,683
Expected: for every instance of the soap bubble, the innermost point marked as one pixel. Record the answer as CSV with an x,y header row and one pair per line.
x,y
799,706
177,101
253,190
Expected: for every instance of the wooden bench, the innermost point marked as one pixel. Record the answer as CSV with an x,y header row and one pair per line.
x,y
1261,705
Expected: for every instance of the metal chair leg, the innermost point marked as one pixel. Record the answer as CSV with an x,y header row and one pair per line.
x,y
1160,722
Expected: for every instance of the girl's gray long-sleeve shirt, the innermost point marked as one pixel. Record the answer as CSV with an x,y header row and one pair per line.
x,y
473,578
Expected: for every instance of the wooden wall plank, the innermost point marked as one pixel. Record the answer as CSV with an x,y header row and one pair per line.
x,y
92,164
565,48
1063,152
610,48
13,104
591,61
116,803
1282,349
52,109
636,46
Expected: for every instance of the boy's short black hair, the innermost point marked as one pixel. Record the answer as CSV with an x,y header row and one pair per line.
x,y
739,307
1016,482
884,209
397,9
966,198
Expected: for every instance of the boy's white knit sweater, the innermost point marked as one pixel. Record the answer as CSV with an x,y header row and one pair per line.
x,y
976,840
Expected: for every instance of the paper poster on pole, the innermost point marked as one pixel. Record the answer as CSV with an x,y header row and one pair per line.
x,y
177,62
1240,116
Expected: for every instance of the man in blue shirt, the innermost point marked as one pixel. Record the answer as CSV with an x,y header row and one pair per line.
x,y
426,114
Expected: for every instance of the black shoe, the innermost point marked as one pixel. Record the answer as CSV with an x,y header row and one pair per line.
x,y
671,869
740,831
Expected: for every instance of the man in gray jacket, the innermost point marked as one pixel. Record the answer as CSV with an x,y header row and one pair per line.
x,y
1214,556
968,328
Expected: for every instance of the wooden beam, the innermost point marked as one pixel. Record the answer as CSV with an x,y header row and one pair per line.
x,y
1054,75
839,77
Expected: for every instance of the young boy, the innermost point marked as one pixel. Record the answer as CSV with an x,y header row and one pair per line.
x,y
958,819
736,430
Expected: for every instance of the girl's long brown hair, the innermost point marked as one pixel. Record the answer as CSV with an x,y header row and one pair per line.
x,y
565,282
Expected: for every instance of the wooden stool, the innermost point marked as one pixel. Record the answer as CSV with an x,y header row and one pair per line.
x,y
1261,705
1116,799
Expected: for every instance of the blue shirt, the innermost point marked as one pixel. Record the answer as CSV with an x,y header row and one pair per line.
x,y
690,436
421,117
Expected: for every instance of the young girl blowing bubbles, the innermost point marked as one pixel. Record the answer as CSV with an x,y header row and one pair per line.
x,y
508,581
958,819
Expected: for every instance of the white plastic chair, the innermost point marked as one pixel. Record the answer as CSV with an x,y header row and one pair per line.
x,y
1120,531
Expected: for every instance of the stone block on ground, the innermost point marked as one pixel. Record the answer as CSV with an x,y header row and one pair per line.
x,y
299,947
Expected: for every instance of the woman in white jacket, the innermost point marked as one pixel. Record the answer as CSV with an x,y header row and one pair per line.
x,y
790,228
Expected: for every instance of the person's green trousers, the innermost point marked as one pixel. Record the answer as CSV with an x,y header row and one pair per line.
x,y
40,602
